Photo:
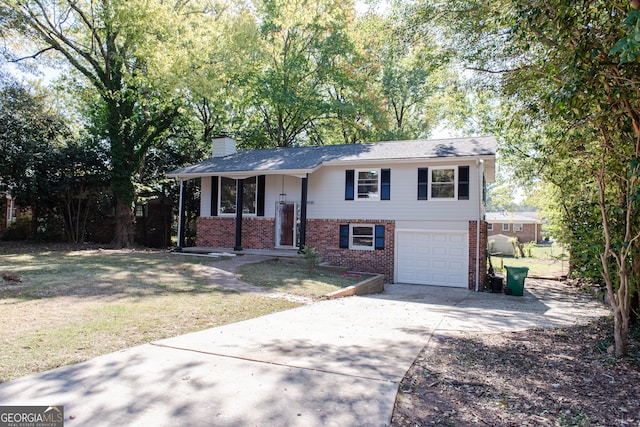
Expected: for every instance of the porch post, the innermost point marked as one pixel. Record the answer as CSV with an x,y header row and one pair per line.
x,y
303,213
181,217
239,207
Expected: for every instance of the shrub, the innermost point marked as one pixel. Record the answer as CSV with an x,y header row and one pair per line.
x,y
528,248
311,258
20,229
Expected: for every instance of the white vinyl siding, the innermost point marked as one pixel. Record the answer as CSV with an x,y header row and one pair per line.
x,y
327,189
274,186
205,196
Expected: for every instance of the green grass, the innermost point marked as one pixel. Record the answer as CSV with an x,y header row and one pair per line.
x,y
294,279
546,261
74,305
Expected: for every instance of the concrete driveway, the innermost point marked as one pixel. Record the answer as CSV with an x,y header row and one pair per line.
x,y
330,363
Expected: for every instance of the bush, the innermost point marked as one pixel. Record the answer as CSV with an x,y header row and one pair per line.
x,y
311,258
20,229
528,248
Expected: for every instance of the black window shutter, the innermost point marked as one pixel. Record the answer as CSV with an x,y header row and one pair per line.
x,y
261,185
344,236
379,236
423,183
348,184
214,196
385,193
463,182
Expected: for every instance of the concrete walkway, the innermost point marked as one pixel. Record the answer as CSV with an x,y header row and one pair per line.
x,y
330,363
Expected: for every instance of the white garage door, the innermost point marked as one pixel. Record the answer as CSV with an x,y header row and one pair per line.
x,y
438,258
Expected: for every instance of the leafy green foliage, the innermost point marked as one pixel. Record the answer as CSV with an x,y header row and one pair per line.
x,y
570,118
628,47
46,166
119,48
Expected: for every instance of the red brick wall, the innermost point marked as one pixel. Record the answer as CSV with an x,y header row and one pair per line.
x,y
258,233
482,252
527,234
324,235
220,232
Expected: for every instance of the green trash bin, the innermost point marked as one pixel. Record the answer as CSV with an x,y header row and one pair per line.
x,y
515,279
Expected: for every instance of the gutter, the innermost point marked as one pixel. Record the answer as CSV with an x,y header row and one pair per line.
x,y
479,163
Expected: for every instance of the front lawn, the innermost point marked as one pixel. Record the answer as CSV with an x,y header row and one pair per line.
x,y
72,305
295,278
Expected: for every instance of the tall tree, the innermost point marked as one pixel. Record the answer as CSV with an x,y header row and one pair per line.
x,y
122,48
48,166
300,41
569,103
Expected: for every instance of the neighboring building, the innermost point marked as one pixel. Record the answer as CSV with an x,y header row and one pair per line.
x,y
524,225
411,210
8,208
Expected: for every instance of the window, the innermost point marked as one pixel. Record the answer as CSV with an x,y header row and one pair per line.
x,y
489,227
505,227
443,183
517,227
362,236
368,184
228,194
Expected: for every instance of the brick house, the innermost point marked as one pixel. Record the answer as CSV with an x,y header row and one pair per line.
x,y
411,210
524,225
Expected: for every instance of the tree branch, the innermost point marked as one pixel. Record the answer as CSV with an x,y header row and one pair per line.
x,y
484,70
34,56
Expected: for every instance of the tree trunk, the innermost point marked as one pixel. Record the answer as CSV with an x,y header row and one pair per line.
x,y
124,194
123,233
621,323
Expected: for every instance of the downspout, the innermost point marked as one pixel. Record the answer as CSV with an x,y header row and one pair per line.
x,y
180,215
480,174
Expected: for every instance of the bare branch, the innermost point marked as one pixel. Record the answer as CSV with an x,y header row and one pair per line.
x,y
484,70
34,56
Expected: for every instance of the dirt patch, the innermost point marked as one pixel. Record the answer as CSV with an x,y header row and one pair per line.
x,y
541,377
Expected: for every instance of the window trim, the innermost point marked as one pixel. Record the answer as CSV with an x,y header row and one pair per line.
x,y
455,184
508,228
518,227
356,184
256,198
489,226
355,247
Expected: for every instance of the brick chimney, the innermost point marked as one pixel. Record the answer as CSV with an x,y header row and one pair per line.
x,y
223,146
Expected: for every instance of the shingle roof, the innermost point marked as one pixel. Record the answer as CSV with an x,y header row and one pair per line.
x,y
306,159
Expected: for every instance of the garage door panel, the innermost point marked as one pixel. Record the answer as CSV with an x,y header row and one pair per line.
x,y
432,257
